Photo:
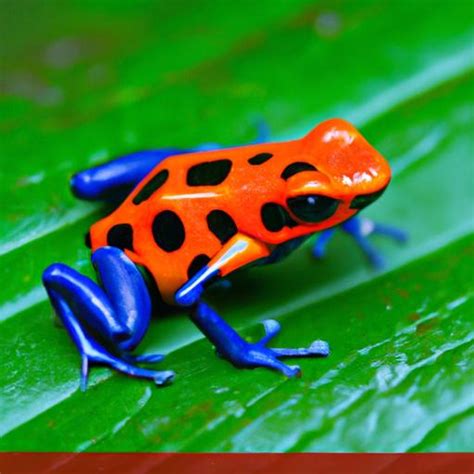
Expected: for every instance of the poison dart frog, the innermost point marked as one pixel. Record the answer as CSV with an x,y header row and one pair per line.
x,y
192,217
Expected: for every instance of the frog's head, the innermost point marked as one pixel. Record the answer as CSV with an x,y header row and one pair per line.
x,y
337,174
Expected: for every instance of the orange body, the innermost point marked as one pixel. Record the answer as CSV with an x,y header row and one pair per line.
x,y
253,186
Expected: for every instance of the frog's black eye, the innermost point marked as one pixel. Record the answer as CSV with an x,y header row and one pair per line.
x,y
313,207
363,200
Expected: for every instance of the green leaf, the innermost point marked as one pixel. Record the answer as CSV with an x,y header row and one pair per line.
x,y
84,82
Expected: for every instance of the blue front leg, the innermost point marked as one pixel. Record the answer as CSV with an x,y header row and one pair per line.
x,y
360,229
119,314
244,354
192,290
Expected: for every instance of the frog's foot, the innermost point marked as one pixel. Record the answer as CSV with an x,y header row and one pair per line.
x,y
243,354
260,355
93,353
119,312
360,229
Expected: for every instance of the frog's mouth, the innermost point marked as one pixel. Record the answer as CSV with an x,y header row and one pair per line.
x,y
363,200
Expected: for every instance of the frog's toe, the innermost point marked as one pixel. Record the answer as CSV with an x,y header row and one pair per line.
x,y
272,328
93,353
144,358
319,348
375,258
319,248
260,355
164,377
394,233
289,371
257,356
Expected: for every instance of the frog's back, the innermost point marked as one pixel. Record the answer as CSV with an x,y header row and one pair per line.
x,y
185,210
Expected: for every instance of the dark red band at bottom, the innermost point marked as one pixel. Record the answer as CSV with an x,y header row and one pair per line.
x,y
170,463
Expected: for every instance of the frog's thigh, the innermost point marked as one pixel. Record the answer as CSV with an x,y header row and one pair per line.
x,y
117,178
120,314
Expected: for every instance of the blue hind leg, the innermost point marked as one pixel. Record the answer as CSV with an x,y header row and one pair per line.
x,y
119,314
360,229
113,181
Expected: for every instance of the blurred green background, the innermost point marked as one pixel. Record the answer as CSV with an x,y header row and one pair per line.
x,y
85,81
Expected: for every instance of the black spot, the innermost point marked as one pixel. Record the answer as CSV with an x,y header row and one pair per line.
x,y
260,158
168,231
87,240
221,225
198,262
209,173
363,200
121,236
155,183
275,217
295,168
